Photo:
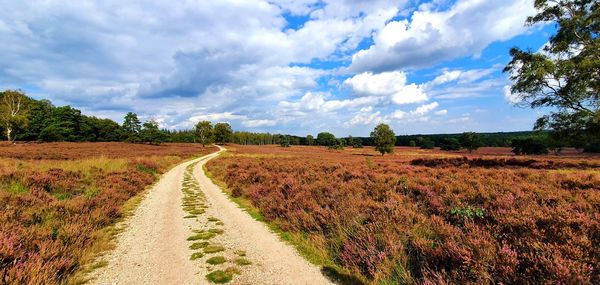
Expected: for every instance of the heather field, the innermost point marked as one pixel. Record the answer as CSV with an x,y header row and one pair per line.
x,y
426,216
59,202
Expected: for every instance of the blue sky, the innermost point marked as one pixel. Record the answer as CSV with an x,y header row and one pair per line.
x,y
298,67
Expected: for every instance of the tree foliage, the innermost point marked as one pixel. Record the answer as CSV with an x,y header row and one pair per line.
x,y
310,140
326,139
450,144
384,139
566,74
222,133
425,143
151,133
470,140
204,132
285,141
132,127
13,112
529,146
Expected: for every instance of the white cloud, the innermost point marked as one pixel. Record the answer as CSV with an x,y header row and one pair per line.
x,y
399,115
441,112
434,36
317,102
511,97
390,84
419,114
365,118
462,77
446,76
217,117
424,109
259,123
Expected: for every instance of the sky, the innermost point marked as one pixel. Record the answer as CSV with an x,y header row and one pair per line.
x,y
280,66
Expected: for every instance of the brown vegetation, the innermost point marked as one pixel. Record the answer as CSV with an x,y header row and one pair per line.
x,y
427,216
58,201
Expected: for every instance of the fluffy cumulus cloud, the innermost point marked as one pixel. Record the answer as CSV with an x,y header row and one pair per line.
x,y
390,84
432,36
268,65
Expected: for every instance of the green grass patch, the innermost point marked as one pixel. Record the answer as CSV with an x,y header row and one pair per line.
x,y
213,249
62,196
143,168
196,255
219,277
216,260
216,231
199,245
242,261
199,236
17,188
196,212
91,192
240,252
213,219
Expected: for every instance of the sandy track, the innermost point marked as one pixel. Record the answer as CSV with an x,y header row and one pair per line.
x,y
153,248
274,262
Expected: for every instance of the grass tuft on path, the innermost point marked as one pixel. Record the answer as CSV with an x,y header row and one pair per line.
x,y
219,277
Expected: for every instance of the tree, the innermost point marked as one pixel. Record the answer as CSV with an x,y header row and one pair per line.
x,y
326,139
105,130
470,140
350,141
40,113
357,143
425,143
285,141
151,133
222,133
13,112
565,75
132,127
384,139
310,140
529,146
204,132
412,143
450,144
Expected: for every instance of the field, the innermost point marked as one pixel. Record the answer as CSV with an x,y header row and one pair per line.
x,y
427,217
59,202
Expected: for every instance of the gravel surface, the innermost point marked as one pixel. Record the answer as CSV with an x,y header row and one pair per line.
x,y
153,249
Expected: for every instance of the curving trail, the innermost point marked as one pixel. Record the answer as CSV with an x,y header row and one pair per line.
x,y
154,247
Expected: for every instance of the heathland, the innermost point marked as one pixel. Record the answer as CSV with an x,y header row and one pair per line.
x,y
59,202
426,216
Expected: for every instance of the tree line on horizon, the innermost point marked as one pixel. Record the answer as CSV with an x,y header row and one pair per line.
x,y
27,119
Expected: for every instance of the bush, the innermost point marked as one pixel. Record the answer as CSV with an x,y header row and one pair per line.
x,y
285,141
529,146
450,144
427,144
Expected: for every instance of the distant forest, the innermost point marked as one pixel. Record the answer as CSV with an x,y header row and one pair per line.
x,y
40,120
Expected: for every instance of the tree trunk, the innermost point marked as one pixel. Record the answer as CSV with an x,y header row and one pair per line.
x,y
8,133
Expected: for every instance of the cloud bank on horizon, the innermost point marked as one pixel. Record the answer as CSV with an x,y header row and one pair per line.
x,y
286,66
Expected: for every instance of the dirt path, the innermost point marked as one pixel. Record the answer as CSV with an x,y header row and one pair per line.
x,y
186,231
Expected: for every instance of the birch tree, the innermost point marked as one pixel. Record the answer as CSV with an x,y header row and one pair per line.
x,y
13,109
